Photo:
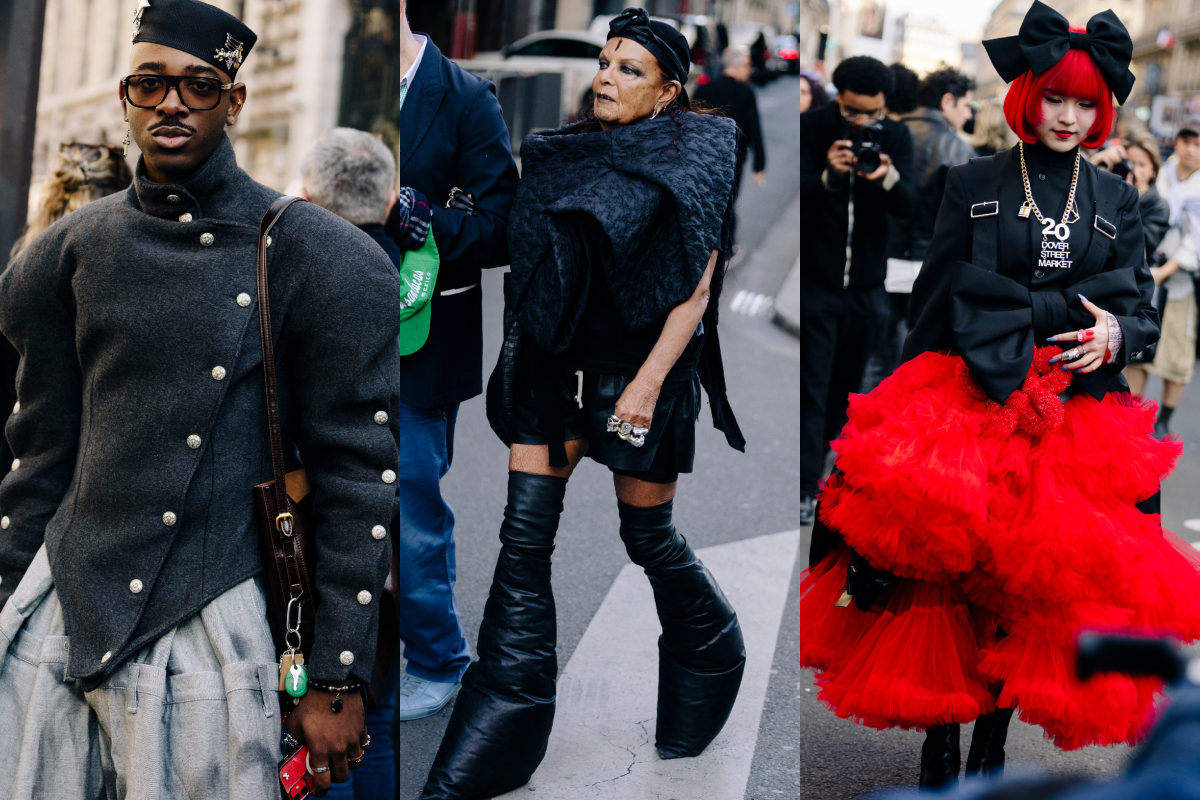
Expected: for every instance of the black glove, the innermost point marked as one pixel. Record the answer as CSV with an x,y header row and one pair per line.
x,y
460,201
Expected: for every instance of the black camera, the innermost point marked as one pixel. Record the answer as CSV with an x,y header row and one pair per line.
x,y
867,148
1122,168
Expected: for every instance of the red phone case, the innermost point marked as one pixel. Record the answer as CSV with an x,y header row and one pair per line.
x,y
295,782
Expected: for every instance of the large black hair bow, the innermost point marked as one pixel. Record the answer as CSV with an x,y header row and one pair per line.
x,y
1046,36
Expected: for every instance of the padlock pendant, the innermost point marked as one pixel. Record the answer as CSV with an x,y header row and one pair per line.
x,y
1024,212
297,680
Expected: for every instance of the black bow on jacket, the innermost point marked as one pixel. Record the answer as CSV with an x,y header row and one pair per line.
x,y
996,323
1046,36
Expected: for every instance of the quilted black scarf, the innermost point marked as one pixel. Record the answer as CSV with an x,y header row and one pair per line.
x,y
647,203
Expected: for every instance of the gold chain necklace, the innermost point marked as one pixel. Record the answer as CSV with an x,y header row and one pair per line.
x,y
1061,230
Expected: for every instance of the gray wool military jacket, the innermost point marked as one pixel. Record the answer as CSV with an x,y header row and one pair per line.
x,y
141,425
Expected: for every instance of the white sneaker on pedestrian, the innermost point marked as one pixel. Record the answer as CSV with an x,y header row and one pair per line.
x,y
421,698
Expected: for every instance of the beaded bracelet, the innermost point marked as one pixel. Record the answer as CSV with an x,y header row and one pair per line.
x,y
336,691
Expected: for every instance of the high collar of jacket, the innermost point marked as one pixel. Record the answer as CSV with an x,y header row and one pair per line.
x,y
200,194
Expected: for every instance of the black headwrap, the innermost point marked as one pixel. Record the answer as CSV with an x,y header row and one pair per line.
x,y
668,45
1046,36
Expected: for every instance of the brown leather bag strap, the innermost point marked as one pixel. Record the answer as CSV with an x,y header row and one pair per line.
x,y
283,519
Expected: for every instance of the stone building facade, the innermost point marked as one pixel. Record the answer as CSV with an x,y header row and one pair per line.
x,y
317,64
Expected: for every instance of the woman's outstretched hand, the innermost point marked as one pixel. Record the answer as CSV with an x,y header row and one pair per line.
x,y
636,403
1088,355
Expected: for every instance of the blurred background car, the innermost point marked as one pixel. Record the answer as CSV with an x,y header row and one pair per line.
x,y
543,79
787,54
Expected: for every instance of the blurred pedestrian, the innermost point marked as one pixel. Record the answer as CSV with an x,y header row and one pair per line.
x,y
904,98
608,346
1144,164
855,167
992,134
812,93
130,542
944,98
351,173
455,151
1174,270
732,95
80,174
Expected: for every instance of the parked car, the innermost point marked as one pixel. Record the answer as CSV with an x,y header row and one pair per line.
x,y
542,80
787,54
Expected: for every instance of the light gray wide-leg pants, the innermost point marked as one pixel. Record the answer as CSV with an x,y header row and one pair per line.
x,y
194,715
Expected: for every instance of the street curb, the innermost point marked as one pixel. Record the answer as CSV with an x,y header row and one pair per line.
x,y
787,303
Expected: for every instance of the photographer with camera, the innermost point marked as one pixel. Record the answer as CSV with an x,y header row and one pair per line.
x,y
855,168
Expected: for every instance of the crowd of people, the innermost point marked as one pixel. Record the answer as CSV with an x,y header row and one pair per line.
x,y
1012,271
159,392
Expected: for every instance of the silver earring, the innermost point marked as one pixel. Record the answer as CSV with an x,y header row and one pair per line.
x,y
657,111
127,141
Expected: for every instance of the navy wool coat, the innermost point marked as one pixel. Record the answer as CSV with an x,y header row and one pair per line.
x,y
452,134
142,425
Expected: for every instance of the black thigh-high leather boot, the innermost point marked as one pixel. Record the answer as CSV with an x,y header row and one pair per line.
x,y
987,743
940,757
502,718
700,653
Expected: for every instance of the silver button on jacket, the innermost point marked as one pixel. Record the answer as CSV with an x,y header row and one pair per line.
x,y
152,316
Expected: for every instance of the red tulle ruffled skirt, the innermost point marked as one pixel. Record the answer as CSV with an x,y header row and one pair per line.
x,y
1011,528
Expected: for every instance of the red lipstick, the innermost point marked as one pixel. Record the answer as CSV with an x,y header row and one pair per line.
x,y
1064,134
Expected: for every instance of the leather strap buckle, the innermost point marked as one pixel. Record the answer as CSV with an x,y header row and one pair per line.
x,y
988,209
284,523
1106,227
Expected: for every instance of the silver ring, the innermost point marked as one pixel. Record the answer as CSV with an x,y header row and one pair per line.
x,y
1074,353
320,770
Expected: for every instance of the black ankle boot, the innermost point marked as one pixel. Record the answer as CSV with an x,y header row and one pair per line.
x,y
986,755
700,653
502,718
940,757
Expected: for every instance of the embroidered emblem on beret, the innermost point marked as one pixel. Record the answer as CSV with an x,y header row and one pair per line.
x,y
137,18
231,54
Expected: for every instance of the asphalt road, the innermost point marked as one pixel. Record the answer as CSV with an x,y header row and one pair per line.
x,y
729,498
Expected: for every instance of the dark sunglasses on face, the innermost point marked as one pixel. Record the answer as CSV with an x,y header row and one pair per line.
x,y
150,91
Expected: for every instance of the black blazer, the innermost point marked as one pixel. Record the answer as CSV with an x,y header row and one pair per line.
x,y
824,214
1021,304
452,134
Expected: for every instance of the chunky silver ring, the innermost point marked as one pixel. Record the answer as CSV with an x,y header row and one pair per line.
x,y
1074,353
320,770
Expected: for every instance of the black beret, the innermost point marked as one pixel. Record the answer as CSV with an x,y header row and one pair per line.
x,y
195,27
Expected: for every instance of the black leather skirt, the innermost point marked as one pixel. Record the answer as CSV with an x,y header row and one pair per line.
x,y
584,401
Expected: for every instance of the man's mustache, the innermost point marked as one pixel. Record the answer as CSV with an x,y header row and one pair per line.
x,y
172,123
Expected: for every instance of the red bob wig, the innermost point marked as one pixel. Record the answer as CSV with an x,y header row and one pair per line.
x,y
1075,76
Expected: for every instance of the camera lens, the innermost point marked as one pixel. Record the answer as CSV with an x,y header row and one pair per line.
x,y
868,159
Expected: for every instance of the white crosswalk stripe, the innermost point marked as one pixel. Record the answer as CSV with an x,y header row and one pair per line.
x,y
752,304
602,746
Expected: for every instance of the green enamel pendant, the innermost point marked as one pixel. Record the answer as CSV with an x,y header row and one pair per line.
x,y
297,681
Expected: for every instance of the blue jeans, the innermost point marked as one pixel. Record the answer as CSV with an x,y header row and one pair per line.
x,y
376,778
434,643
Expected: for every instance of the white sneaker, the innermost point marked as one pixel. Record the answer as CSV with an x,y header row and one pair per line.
x,y
421,698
